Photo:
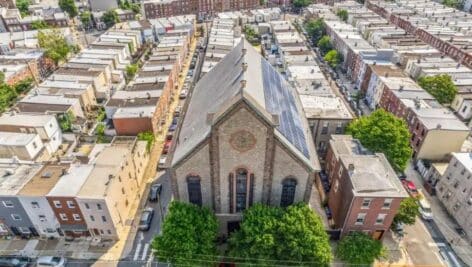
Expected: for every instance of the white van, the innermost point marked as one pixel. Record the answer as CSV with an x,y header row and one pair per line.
x,y
425,209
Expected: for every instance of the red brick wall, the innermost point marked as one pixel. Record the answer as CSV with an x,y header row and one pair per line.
x,y
132,126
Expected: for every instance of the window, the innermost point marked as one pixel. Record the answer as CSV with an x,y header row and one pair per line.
x,y
8,204
366,203
63,216
360,219
70,204
104,219
123,190
99,206
289,186
387,203
324,130
35,145
101,232
87,206
57,204
464,109
16,217
35,205
241,189
339,128
109,232
380,218
76,217
42,218
92,218
194,190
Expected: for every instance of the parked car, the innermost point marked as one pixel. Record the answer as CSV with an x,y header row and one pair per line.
x,y
172,127
425,209
410,187
146,219
15,261
190,73
162,162
177,111
167,146
183,94
51,261
154,192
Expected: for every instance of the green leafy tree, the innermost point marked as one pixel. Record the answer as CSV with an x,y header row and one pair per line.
x,y
86,19
23,6
324,44
408,211
251,35
2,77
136,8
55,45
39,24
301,3
333,58
383,132
288,236
440,86
8,96
188,236
110,18
69,7
316,29
23,86
101,115
358,248
66,120
100,131
343,14
453,3
131,70
148,137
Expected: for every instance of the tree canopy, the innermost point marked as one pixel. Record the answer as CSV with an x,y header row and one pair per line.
x,y
290,236
69,7
343,14
359,248
439,86
148,137
9,93
453,3
86,18
301,3
188,236
131,70
316,29
54,45
324,44
407,212
23,6
39,24
333,58
136,8
110,18
251,35
383,132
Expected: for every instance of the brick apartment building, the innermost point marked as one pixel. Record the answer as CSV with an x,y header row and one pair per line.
x,y
166,8
365,192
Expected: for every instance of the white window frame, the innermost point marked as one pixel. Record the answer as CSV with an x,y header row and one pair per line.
x,y
389,201
70,204
57,204
63,216
360,215
76,217
365,200
382,216
16,217
8,204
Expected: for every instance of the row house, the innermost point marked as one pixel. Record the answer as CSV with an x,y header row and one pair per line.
x,y
14,73
365,192
12,21
220,42
38,66
74,199
22,146
427,120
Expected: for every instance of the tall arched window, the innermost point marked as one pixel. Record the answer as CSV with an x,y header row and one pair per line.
x,y
241,189
289,185
194,190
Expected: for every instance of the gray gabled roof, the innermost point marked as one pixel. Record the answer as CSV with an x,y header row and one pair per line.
x,y
245,74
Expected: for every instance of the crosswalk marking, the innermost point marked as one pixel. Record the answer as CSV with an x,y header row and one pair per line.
x,y
145,250
136,253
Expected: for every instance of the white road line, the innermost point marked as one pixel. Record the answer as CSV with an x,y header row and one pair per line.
x,y
136,253
432,244
145,251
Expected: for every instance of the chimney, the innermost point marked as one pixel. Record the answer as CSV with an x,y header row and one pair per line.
x,y
243,84
244,66
244,50
401,88
439,126
350,168
417,103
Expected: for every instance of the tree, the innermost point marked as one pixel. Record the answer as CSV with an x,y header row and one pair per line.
x,y
69,7
383,132
301,3
453,3
333,58
188,236
39,24
100,131
23,86
358,248
110,18
54,44
23,6
2,77
324,44
86,18
251,35
289,236
316,29
66,120
440,86
131,70
343,14
407,212
148,137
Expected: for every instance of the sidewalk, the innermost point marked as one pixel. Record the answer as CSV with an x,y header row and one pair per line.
x,y
444,221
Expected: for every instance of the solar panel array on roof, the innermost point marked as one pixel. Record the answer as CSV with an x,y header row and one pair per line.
x,y
279,100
